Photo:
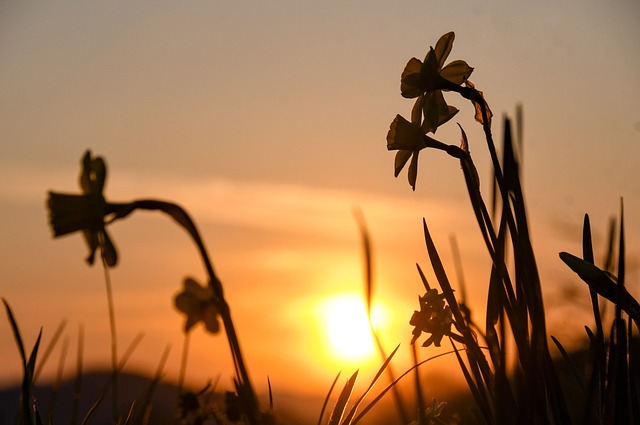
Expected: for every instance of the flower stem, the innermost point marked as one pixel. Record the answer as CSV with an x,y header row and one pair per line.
x,y
114,343
244,387
183,363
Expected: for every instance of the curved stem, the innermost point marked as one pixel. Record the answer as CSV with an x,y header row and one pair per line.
x,y
121,210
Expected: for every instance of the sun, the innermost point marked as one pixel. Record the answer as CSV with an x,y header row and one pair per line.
x,y
345,327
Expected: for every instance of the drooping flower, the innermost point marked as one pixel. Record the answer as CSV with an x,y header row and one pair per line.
x,y
86,212
426,81
199,304
408,139
434,318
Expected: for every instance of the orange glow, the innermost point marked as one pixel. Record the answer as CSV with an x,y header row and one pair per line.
x,y
344,327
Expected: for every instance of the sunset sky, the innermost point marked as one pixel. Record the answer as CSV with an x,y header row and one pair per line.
x,y
267,122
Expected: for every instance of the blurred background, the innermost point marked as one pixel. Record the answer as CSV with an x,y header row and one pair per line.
x,y
267,122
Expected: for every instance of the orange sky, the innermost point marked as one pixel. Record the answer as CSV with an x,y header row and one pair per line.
x,y
268,123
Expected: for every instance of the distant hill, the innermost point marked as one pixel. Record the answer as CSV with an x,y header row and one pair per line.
x,y
291,408
131,387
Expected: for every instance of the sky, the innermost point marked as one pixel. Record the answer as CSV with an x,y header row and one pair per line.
x,y
267,122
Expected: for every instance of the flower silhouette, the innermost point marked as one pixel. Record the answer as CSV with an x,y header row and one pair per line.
x,y
199,304
86,212
434,318
408,139
426,81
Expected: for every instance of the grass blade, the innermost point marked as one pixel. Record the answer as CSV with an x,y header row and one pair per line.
x,y
478,395
422,418
56,385
25,415
270,393
49,348
368,260
423,278
604,284
391,385
382,368
145,405
572,366
16,332
326,399
341,404
77,385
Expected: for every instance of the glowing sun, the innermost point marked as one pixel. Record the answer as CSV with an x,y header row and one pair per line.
x,y
346,327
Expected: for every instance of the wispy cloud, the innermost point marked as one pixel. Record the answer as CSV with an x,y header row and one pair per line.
x,y
270,205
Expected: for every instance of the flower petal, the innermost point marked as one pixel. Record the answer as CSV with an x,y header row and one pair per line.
x,y
69,213
410,79
404,135
93,174
191,322
198,291
187,303
413,170
443,47
401,159
93,242
430,72
416,111
436,111
456,72
98,175
85,172
210,319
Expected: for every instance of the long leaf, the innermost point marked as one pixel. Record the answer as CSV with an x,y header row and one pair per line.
x,y
391,385
49,348
382,368
570,363
368,259
470,343
77,384
478,394
326,399
603,283
423,278
25,416
16,332
343,399
145,405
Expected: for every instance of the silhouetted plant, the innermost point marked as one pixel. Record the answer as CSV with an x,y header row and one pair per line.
x,y
529,392
90,213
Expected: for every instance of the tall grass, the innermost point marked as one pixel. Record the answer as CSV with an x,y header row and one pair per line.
x,y
528,391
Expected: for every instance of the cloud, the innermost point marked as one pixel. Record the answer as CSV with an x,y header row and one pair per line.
x,y
270,205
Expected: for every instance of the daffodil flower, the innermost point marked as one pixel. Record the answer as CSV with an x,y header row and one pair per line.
x,y
426,81
434,318
86,212
199,304
408,139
